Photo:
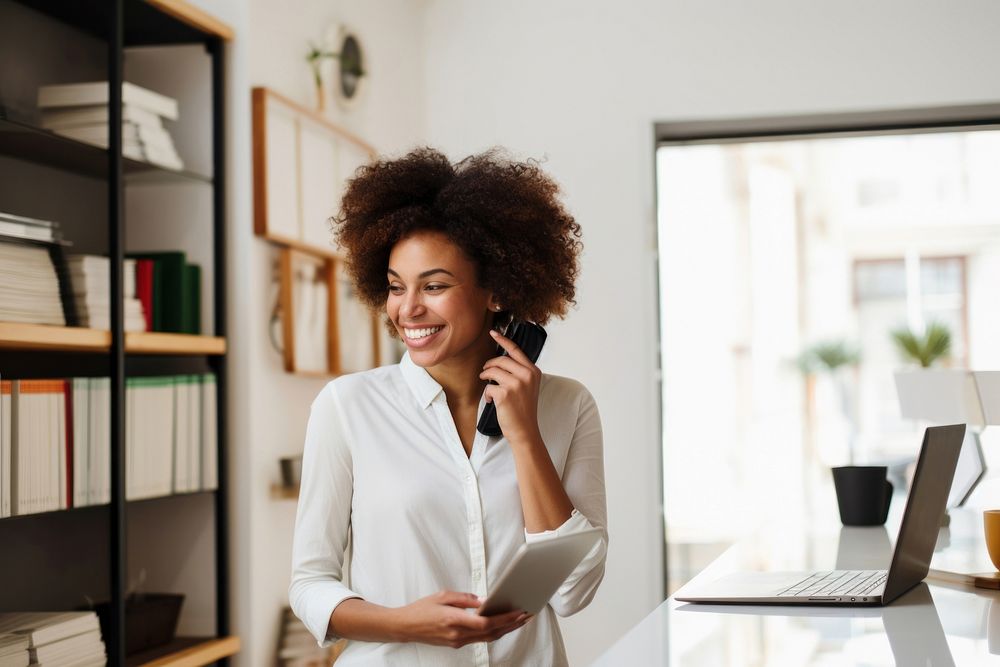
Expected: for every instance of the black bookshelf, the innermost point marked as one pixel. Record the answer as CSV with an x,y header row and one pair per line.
x,y
115,26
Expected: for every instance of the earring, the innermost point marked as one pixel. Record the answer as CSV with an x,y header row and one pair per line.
x,y
496,308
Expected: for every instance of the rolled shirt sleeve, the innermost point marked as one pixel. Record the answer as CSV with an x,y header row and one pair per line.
x,y
322,521
583,479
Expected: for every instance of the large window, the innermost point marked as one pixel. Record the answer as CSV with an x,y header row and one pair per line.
x,y
772,248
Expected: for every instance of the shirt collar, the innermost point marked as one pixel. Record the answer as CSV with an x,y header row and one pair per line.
x,y
425,388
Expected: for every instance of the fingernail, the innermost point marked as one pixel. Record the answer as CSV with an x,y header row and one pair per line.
x,y
494,333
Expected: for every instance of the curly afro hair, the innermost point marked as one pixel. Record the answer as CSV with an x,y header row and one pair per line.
x,y
504,214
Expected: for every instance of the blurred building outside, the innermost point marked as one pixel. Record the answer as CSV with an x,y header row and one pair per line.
x,y
770,247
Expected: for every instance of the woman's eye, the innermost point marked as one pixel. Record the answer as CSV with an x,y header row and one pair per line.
x,y
395,289
435,288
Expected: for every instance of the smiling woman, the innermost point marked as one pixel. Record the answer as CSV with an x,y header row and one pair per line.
x,y
435,509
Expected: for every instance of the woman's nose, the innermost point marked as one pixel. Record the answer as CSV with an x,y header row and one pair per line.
x,y
411,306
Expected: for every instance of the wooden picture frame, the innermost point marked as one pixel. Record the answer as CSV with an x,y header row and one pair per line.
x,y
306,303
325,329
301,163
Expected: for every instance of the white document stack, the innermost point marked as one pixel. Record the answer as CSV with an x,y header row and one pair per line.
x,y
29,287
80,111
52,639
90,277
32,229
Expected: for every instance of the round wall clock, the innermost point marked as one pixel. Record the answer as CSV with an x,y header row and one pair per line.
x,y
350,70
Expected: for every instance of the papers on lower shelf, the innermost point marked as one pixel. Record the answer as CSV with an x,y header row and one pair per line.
x,y
52,639
29,285
55,440
80,111
91,280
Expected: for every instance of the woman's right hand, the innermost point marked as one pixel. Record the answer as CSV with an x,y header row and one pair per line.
x,y
441,620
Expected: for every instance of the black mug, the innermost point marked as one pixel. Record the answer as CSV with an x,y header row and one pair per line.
x,y
863,494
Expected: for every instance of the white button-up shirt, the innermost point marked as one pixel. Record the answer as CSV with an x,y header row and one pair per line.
x,y
383,464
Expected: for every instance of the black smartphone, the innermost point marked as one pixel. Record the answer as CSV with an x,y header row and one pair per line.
x,y
530,338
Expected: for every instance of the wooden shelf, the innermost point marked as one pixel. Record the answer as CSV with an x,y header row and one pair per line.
x,y
147,22
17,336
190,15
154,342
186,652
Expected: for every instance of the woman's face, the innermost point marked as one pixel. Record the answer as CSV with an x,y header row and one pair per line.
x,y
434,302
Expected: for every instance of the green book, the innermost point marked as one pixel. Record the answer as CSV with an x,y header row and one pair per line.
x,y
192,299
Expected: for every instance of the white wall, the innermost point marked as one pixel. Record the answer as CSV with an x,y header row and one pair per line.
x,y
582,83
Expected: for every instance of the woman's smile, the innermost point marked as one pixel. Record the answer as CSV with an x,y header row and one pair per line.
x,y
417,338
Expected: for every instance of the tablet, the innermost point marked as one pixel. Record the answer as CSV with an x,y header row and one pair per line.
x,y
537,571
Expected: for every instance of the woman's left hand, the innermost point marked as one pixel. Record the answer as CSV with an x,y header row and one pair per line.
x,y
516,393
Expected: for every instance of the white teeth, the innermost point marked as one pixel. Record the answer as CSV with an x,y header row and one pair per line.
x,y
421,333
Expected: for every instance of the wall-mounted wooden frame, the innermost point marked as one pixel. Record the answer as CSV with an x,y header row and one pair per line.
x,y
325,329
301,163
306,303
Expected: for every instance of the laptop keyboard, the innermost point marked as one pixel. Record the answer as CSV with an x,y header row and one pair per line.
x,y
838,582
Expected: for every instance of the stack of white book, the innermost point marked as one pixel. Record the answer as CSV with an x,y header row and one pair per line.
x,y
90,277
57,638
29,286
14,651
80,111
32,229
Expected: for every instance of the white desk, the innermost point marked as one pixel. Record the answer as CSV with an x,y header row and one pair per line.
x,y
934,624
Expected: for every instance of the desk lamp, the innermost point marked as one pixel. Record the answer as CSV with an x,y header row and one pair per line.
x,y
954,396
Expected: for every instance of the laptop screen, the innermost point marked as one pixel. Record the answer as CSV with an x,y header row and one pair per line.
x,y
924,509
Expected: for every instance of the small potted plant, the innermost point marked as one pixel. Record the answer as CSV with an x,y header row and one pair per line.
x,y
923,349
928,392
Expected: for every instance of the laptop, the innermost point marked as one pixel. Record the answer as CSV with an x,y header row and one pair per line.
x,y
910,560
